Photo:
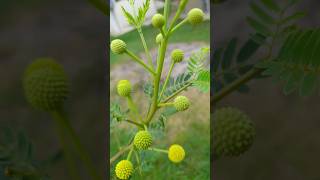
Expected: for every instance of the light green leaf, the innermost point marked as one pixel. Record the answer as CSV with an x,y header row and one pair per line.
x,y
202,83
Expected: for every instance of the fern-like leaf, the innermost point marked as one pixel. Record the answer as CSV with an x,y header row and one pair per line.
x,y
298,62
203,81
175,84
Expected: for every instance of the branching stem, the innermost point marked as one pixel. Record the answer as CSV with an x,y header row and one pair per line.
x,y
138,60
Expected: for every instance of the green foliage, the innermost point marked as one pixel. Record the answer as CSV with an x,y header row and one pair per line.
x,y
298,62
231,63
161,121
136,20
203,81
16,156
116,114
197,61
176,84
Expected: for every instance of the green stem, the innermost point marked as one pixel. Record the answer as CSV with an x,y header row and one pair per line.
x,y
135,123
157,78
84,156
181,8
138,60
133,108
130,153
165,104
145,48
166,13
62,137
159,150
177,92
162,32
178,25
167,79
122,151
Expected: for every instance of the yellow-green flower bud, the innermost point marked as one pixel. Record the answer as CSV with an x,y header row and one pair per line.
x,y
142,140
124,169
118,46
45,84
159,38
124,88
157,20
195,16
181,103
233,132
177,55
176,153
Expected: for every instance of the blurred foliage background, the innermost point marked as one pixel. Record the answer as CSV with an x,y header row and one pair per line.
x,y
287,142
73,32
190,128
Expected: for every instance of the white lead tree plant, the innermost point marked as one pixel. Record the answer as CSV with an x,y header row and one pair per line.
x,y
164,95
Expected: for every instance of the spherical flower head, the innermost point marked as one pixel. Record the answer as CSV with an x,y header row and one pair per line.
x,y
124,88
124,169
195,16
159,38
233,132
177,55
181,103
45,84
142,140
118,46
176,153
157,20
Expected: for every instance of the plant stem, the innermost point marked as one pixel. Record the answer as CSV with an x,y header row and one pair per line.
x,y
133,108
135,123
177,92
167,79
78,146
62,137
178,25
130,153
138,60
122,151
159,150
165,104
167,7
182,5
157,78
145,48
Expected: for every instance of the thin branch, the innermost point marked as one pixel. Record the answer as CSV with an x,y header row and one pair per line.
x,y
177,92
120,153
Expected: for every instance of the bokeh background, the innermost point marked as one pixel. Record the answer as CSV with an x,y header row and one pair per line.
x,y
190,128
287,143
74,33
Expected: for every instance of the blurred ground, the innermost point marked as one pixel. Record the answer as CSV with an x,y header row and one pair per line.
x,y
287,144
74,33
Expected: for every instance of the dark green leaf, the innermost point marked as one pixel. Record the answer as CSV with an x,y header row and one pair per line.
x,y
259,27
229,53
248,49
217,59
270,4
261,14
293,17
101,5
243,88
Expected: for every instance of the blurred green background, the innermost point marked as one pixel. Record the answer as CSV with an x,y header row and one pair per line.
x,y
190,128
74,33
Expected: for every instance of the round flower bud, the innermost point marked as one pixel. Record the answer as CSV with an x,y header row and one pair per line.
x,y
176,153
124,88
233,132
159,38
181,103
118,46
157,20
177,55
45,85
195,16
142,140
124,169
